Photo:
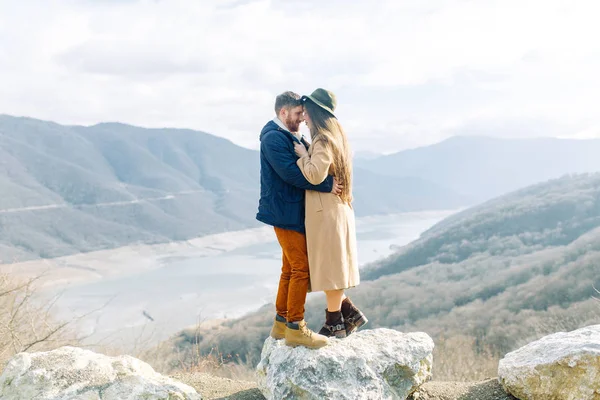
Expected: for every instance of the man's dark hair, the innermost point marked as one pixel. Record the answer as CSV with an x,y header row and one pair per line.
x,y
287,100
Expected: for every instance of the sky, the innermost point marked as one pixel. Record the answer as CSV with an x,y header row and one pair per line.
x,y
406,73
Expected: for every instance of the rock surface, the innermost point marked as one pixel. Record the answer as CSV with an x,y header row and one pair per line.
x,y
70,373
371,364
565,365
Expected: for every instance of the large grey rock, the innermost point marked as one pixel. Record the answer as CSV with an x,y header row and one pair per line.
x,y
564,365
70,373
371,364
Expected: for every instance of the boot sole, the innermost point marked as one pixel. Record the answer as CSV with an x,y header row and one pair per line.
x,y
304,345
340,335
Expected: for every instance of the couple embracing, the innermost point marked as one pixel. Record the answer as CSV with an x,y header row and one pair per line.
x,y
306,195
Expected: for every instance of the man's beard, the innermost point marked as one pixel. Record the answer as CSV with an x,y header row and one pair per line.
x,y
293,126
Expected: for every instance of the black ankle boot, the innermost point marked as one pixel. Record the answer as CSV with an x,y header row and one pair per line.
x,y
353,317
334,325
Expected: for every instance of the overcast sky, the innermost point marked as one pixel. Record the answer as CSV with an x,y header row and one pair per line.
x,y
406,72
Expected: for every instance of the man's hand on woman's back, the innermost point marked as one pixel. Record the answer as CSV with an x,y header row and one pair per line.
x,y
337,187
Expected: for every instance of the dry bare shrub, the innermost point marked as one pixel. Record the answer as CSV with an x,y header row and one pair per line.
x,y
26,324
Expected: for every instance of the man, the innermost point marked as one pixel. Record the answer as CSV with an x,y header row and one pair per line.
x,y
282,188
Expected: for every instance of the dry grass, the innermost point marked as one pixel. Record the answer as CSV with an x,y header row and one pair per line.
x,y
170,358
217,365
463,359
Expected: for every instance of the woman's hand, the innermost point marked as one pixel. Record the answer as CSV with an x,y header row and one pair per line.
x,y
300,150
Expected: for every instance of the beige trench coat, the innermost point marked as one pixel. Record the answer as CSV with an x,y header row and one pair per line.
x,y
330,227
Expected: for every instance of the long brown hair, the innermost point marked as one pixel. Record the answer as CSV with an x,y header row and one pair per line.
x,y
327,128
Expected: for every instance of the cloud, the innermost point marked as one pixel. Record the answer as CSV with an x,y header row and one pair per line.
x,y
135,61
406,73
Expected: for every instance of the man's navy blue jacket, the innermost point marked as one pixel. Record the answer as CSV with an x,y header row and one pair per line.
x,y
282,184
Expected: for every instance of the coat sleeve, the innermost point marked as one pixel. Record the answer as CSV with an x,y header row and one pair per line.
x,y
315,167
283,162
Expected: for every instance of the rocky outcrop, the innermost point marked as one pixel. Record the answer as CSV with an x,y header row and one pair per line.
x,y
71,373
371,364
562,366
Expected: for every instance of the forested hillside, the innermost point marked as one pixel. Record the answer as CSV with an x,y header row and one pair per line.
x,y
494,276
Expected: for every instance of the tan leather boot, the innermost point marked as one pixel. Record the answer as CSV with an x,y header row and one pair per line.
x,y
302,336
279,328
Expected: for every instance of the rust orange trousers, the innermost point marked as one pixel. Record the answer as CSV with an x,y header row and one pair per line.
x,y
295,279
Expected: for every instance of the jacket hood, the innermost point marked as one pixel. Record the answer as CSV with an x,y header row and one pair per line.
x,y
270,126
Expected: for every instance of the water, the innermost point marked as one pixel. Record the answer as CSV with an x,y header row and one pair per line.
x,y
151,305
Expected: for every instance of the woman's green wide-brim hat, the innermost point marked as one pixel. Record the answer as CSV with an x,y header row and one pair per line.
x,y
323,98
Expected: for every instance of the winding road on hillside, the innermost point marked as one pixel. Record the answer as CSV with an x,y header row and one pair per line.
x,y
169,196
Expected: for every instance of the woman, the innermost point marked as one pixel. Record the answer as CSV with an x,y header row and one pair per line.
x,y
330,227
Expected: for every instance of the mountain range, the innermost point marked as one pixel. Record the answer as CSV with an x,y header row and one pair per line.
x,y
70,189
483,167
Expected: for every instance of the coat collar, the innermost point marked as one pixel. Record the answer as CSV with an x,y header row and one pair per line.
x,y
282,126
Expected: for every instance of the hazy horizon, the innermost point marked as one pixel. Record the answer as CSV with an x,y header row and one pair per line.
x,y
363,154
